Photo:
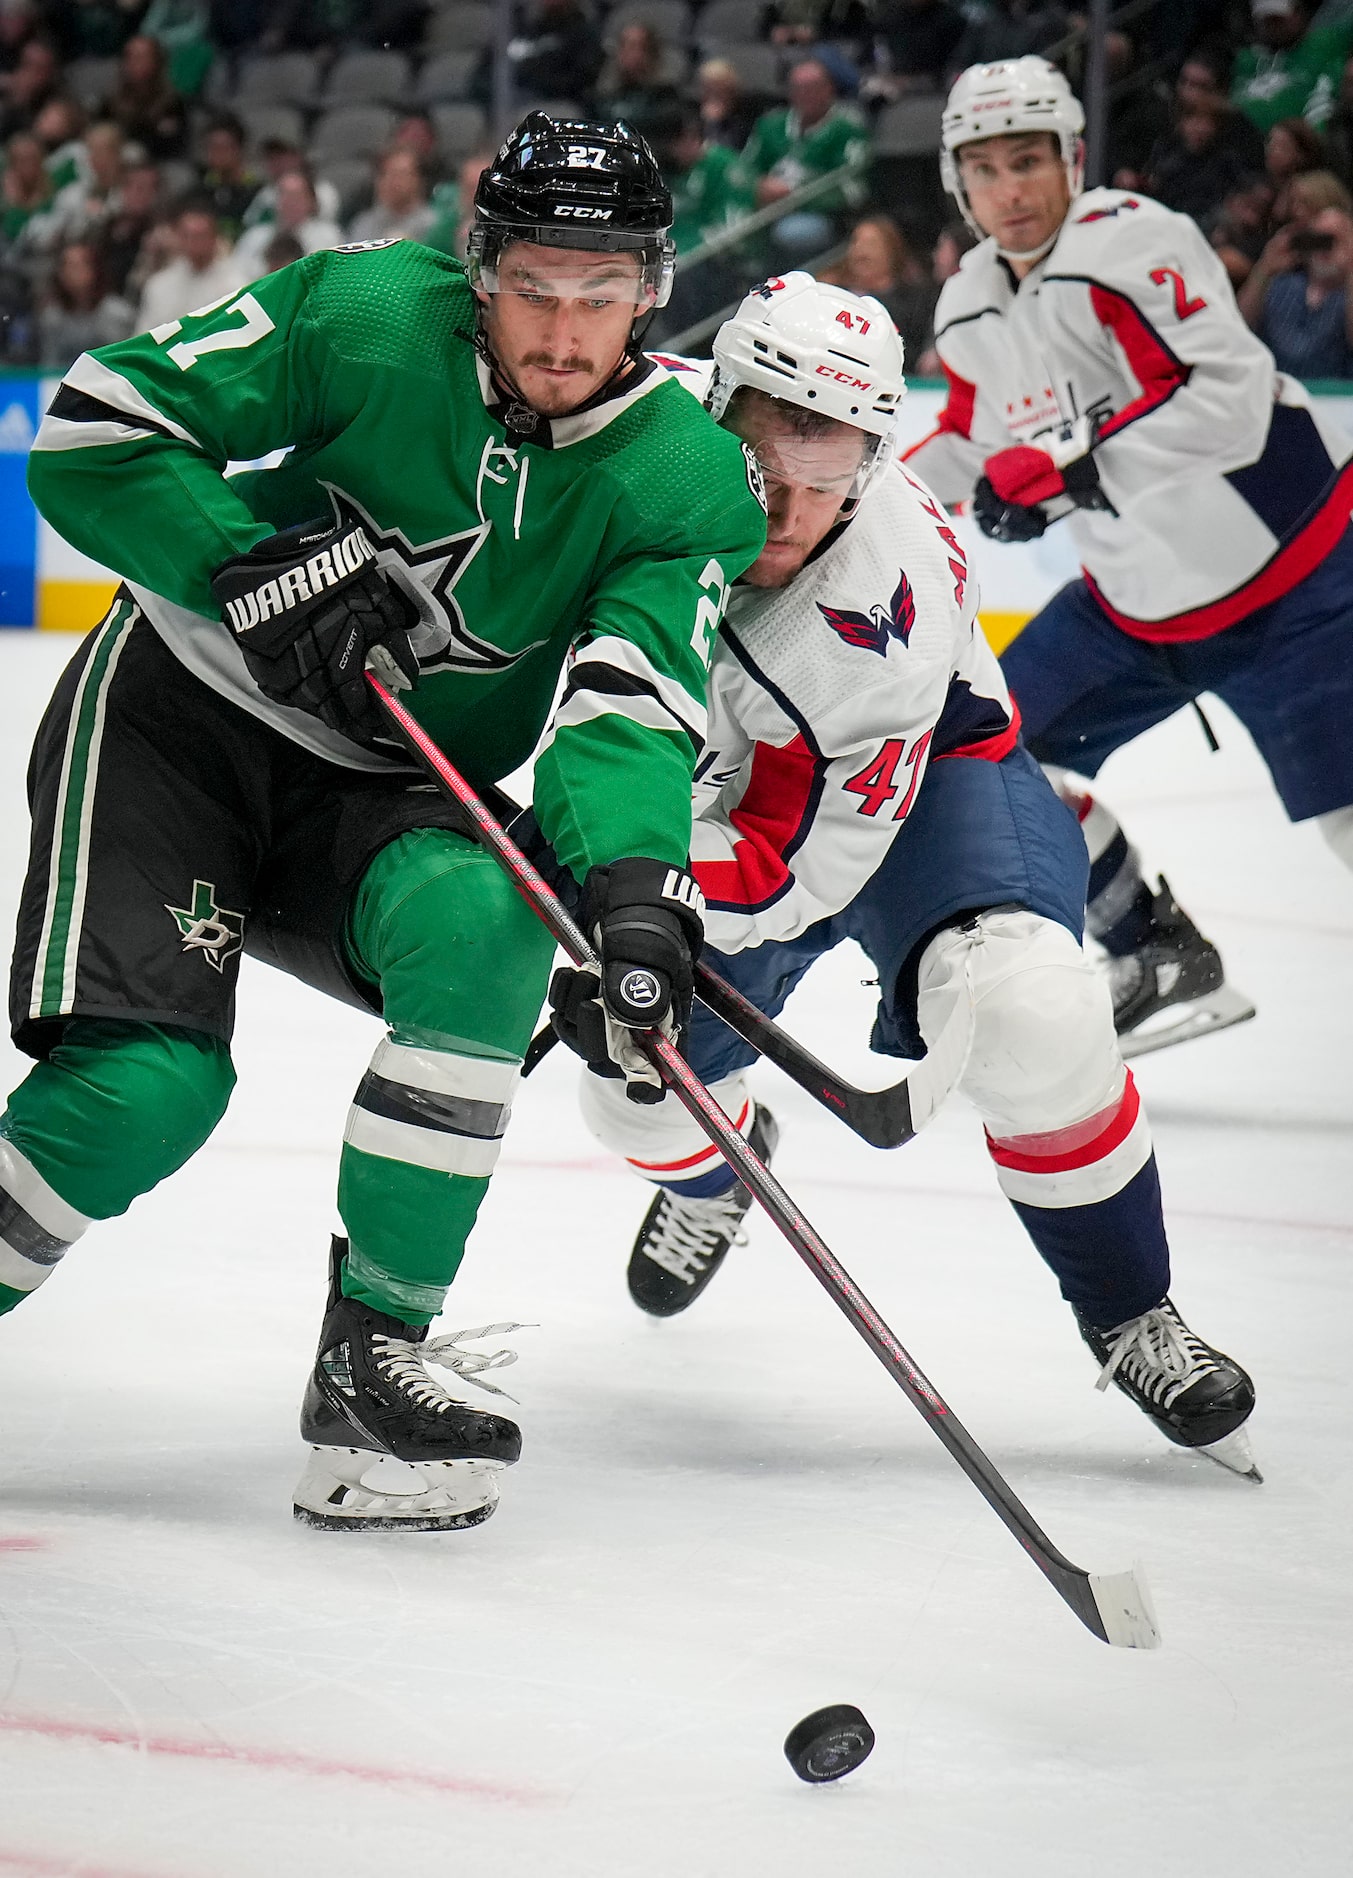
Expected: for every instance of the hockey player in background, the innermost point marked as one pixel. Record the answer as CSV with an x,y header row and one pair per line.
x,y
863,778
1099,370
504,482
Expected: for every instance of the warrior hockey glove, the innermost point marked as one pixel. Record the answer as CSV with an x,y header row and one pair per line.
x,y
307,606
646,918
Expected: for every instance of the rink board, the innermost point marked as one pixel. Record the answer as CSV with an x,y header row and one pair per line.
x,y
45,582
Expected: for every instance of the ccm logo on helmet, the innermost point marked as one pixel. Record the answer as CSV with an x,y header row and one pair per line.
x,y
581,212
844,378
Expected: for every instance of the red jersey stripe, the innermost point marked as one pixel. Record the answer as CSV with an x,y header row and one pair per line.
x,y
780,795
1288,568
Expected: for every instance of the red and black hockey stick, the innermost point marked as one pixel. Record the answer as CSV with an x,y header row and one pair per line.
x,y
885,1118
1116,1607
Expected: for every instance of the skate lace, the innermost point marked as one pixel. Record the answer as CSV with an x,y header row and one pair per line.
x,y
1158,1353
405,1364
687,1233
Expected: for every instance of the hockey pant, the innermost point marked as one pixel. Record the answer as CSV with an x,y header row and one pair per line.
x,y
460,962
1064,1125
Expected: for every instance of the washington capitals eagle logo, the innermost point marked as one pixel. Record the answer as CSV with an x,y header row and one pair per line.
x,y
871,631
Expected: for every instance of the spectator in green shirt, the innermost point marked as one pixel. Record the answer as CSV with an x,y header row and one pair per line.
x,y
1292,69
787,148
710,193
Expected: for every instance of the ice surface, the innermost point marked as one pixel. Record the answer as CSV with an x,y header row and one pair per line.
x,y
723,1521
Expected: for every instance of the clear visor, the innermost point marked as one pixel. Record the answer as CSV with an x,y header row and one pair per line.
x,y
843,463
540,271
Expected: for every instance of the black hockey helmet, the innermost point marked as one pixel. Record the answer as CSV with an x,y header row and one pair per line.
x,y
568,184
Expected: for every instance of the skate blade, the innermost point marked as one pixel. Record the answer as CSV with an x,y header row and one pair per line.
x,y
1234,1453
1180,1023
352,1490
1123,1601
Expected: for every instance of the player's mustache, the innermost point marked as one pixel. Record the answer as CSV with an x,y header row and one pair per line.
x,y
552,364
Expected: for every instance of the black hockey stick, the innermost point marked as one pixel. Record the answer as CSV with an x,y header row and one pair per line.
x,y
1116,1607
885,1118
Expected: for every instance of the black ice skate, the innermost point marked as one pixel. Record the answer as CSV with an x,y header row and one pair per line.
x,y
1177,971
391,1450
1199,1397
682,1243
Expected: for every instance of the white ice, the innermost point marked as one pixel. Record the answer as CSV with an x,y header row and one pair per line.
x,y
723,1521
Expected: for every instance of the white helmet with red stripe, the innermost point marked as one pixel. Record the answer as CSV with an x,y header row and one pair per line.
x,y
1009,99
807,343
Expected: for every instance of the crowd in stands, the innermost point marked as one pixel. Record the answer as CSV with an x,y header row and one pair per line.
x,y
156,155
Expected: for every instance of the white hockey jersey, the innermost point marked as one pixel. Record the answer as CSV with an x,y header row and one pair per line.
x,y
828,699
1228,489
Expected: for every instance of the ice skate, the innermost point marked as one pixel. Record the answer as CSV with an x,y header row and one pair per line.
x,y
1173,987
1199,1397
391,1449
682,1243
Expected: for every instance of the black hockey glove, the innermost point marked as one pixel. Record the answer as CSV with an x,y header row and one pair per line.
x,y
307,606
646,919
1005,521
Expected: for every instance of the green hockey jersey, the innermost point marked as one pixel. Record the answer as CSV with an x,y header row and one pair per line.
x,y
350,383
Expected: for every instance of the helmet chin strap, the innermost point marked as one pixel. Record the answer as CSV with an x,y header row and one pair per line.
x,y
1032,254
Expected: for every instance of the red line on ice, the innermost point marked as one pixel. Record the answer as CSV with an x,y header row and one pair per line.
x,y
22,1542
60,1865
272,1760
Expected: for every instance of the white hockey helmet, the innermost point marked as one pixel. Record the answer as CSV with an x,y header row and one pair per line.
x,y
807,343
1003,100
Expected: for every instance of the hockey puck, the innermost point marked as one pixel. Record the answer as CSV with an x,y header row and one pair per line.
x,y
829,1743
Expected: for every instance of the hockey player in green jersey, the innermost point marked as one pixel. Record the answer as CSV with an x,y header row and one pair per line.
x,y
505,487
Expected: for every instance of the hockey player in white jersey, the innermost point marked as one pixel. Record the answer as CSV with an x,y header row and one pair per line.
x,y
863,778
1100,371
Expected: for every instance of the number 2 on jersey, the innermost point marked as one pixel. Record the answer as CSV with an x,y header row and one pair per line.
x,y
1184,308
874,783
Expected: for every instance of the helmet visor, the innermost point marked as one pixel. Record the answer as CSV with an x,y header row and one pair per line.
x,y
537,264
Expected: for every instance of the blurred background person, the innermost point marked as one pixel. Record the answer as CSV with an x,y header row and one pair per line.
x,y
203,269
280,157
297,213
1291,67
710,194
918,41
636,85
401,206
1292,148
26,188
727,114
143,103
812,136
453,203
878,261
123,235
35,81
1303,310
83,206
556,52
224,178
79,309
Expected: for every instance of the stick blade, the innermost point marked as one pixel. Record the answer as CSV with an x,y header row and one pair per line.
x,y
1125,1609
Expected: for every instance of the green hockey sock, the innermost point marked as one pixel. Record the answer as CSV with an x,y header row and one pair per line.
x,y
461,962
113,1110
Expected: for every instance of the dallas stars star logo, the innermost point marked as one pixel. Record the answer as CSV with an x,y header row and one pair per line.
x,y
428,574
204,927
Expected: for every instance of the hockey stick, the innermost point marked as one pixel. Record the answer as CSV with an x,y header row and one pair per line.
x,y
1114,1607
885,1118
